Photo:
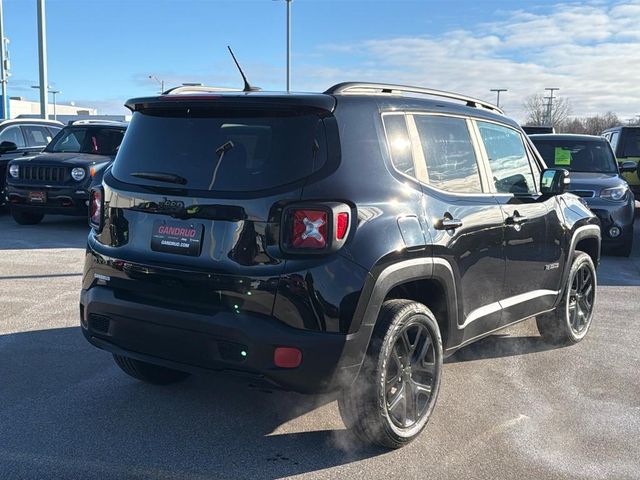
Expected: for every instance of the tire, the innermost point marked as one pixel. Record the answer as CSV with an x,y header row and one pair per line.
x,y
373,406
570,321
26,218
147,372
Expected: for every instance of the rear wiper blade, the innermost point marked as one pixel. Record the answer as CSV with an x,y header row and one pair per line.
x,y
161,177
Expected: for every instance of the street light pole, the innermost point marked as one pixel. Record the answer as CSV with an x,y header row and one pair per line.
x,y
54,93
288,45
161,82
3,72
498,90
42,50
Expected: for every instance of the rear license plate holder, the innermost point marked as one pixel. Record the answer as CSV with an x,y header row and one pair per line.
x,y
182,238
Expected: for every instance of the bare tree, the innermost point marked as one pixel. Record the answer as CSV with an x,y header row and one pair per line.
x,y
590,125
537,110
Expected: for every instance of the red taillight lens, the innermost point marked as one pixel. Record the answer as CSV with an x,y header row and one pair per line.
x,y
309,229
287,357
95,208
342,225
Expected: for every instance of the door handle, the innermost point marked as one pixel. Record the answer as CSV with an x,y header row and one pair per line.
x,y
516,219
447,223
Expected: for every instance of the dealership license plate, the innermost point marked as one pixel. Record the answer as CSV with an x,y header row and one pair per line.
x,y
37,197
183,238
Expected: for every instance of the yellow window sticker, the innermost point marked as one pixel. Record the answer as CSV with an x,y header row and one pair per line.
x,y
563,156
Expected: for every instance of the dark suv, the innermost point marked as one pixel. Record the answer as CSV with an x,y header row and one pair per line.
x,y
346,240
59,179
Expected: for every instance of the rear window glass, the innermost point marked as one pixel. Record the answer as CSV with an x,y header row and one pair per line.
x,y
92,140
577,155
631,143
235,153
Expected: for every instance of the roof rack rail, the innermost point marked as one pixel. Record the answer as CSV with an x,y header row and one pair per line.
x,y
362,87
186,89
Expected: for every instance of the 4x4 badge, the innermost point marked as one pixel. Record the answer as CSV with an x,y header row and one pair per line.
x,y
552,266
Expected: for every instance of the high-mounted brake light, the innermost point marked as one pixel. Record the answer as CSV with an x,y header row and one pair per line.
x,y
315,228
96,206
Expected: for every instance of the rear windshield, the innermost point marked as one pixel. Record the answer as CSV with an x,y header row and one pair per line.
x,y
95,140
631,146
240,152
577,156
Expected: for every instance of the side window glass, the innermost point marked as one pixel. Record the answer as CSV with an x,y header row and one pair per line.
x,y
37,136
13,134
507,158
448,153
399,143
614,140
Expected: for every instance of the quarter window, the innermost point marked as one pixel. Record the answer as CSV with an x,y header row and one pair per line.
x,y
507,158
614,140
448,153
399,143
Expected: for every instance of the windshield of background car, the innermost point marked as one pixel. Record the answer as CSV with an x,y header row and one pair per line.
x,y
631,146
577,155
92,140
222,151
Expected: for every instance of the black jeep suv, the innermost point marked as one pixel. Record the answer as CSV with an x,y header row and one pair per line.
x,y
345,240
59,179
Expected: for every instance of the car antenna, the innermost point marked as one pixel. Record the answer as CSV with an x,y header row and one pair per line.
x,y
247,86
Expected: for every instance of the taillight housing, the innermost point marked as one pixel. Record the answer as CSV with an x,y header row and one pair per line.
x,y
315,228
96,208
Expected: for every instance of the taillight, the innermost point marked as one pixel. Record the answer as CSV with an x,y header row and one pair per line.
x,y
315,228
342,224
96,205
309,229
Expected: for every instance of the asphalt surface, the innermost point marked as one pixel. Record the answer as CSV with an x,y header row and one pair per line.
x,y
509,406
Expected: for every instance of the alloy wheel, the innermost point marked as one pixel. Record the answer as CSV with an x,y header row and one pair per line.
x,y
581,299
410,376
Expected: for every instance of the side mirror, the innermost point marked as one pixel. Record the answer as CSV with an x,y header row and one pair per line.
x,y
554,181
628,167
7,146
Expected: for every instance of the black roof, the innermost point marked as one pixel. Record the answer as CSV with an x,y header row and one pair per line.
x,y
567,136
321,101
621,127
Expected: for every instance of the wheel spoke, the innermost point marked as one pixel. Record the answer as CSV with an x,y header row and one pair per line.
x,y
411,410
398,399
422,354
406,344
396,358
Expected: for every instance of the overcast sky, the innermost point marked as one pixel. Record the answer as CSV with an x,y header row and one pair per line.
x,y
101,52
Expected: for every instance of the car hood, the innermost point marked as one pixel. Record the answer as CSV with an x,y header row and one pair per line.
x,y
70,159
594,181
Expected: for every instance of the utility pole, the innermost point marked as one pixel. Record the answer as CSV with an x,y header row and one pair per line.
x,y
3,67
550,104
498,90
42,51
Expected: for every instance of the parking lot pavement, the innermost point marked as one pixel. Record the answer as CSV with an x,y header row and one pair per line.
x,y
509,407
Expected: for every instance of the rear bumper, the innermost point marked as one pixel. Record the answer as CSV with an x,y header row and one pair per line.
x,y
196,342
60,200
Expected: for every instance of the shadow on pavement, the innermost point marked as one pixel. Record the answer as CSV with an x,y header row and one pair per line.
x,y
497,346
67,411
54,232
